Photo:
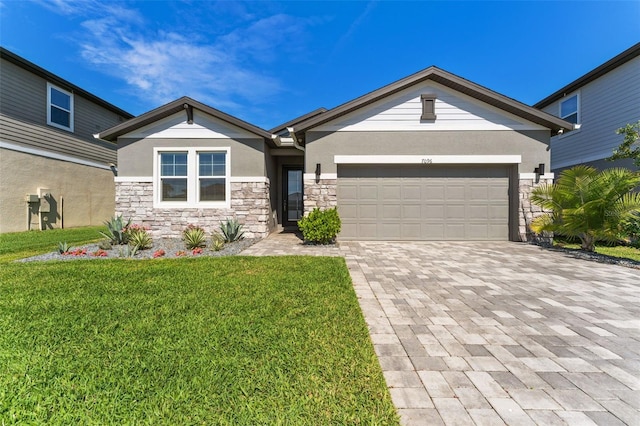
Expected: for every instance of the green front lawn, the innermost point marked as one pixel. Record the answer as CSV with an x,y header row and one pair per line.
x,y
623,252
18,245
237,340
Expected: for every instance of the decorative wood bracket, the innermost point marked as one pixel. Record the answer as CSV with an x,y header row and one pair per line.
x,y
189,109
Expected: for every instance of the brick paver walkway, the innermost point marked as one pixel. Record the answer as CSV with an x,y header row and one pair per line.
x,y
498,333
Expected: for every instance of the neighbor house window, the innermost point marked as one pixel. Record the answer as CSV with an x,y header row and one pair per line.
x,y
428,107
570,109
59,108
195,177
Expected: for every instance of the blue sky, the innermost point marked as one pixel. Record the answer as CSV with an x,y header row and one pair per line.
x,y
268,62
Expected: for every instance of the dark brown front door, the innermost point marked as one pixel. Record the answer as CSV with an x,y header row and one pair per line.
x,y
292,195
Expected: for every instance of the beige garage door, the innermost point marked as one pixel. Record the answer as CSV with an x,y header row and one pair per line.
x,y
423,202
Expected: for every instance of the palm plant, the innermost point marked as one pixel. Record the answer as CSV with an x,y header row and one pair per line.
x,y
588,204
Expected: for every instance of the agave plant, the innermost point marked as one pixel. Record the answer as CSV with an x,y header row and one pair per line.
x,y
588,204
217,242
194,237
117,230
231,230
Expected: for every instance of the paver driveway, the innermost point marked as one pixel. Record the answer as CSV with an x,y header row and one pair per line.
x,y
495,333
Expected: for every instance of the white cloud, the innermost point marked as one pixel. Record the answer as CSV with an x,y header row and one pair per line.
x,y
160,66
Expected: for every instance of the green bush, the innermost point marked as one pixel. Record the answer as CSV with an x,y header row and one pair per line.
x,y
117,230
320,227
194,237
232,230
631,230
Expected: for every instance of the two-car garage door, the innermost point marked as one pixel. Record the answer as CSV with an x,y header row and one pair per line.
x,y
423,202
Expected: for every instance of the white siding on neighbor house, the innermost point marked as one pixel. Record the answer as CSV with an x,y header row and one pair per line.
x,y
402,111
203,127
606,104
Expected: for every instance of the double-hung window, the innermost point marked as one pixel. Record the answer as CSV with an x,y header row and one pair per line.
x,y
193,177
173,176
59,108
570,109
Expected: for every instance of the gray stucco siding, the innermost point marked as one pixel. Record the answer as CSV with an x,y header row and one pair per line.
x,y
135,157
321,147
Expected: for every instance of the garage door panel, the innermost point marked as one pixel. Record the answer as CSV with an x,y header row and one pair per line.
x,y
390,231
367,231
391,192
348,192
411,212
368,191
424,203
455,231
411,231
456,192
476,210
433,231
367,211
453,212
391,211
348,211
432,191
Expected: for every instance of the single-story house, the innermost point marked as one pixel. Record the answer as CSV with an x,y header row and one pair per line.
x,y
429,157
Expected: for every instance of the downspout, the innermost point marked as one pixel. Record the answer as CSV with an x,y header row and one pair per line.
x,y
292,135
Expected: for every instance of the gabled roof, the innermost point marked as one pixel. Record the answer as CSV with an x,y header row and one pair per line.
x,y
283,127
58,81
446,79
598,72
172,108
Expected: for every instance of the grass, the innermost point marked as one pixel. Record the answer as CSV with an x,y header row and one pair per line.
x,y
18,245
237,340
622,252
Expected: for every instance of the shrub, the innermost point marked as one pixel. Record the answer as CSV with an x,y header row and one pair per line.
x,y
631,230
158,253
99,253
194,237
320,227
231,230
139,237
116,230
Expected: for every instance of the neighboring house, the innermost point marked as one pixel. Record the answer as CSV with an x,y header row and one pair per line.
x,y
53,172
600,102
429,157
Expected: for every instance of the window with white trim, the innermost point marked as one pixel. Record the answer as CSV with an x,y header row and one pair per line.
x,y
570,109
59,108
195,177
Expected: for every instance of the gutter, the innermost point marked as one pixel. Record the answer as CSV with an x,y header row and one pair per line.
x,y
289,141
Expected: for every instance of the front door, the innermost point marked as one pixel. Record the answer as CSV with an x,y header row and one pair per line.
x,y
292,195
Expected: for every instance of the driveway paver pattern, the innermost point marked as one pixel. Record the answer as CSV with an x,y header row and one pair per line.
x,y
498,333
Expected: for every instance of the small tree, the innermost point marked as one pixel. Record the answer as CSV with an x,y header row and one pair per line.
x,y
587,204
630,146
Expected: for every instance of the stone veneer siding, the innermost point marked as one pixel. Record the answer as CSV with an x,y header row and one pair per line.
x,y
528,211
323,194
250,205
